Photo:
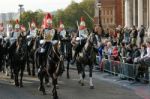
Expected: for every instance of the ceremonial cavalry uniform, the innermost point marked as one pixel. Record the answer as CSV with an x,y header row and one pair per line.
x,y
81,38
32,33
33,30
49,34
62,37
2,34
14,36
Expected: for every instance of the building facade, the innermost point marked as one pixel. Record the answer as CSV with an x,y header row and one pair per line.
x,y
111,12
137,12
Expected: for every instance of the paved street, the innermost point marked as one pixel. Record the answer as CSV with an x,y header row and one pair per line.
x,y
69,89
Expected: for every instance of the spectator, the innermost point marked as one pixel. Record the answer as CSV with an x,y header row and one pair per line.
x,y
136,52
141,34
134,35
145,60
141,69
129,54
115,52
127,35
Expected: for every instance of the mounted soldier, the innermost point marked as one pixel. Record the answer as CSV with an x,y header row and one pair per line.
x,y
80,39
2,34
32,33
47,42
62,37
32,45
16,33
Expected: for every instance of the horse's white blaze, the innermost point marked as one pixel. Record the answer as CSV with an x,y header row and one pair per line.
x,y
91,81
80,76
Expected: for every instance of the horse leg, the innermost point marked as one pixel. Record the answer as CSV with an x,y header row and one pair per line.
x,y
16,72
90,75
83,75
54,91
47,80
28,67
12,71
79,69
68,76
21,75
41,77
33,68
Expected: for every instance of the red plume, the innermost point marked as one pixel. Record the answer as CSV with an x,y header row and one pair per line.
x,y
82,19
17,21
60,22
49,16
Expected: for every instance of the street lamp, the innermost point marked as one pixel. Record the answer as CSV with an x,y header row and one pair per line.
x,y
99,5
20,6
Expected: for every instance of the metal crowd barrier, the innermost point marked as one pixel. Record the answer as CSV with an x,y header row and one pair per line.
x,y
123,70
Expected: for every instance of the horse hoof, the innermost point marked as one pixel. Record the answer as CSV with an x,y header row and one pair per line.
x,y
82,84
12,77
55,97
68,77
21,85
40,89
79,81
17,84
91,87
44,93
29,74
33,75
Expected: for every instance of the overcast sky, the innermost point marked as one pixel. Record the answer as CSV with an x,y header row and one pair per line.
x,y
45,5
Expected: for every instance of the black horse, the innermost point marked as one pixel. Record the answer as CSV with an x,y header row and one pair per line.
x,y
18,59
6,60
1,53
66,51
31,48
86,57
49,64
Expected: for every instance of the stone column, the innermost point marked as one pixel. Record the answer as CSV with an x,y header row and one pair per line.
x,y
140,13
128,13
134,13
148,11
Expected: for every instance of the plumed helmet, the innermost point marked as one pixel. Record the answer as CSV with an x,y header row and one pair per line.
x,y
49,18
61,25
33,24
17,26
82,24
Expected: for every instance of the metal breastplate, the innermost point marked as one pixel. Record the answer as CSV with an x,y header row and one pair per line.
x,y
2,34
33,32
63,33
83,33
16,35
49,34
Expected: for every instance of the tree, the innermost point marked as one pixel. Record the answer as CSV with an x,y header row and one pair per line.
x,y
73,13
28,16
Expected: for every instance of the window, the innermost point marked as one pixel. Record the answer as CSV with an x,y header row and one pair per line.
x,y
107,20
111,20
107,12
111,12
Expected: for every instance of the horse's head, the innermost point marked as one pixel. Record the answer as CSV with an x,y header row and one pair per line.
x,y
91,41
21,47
